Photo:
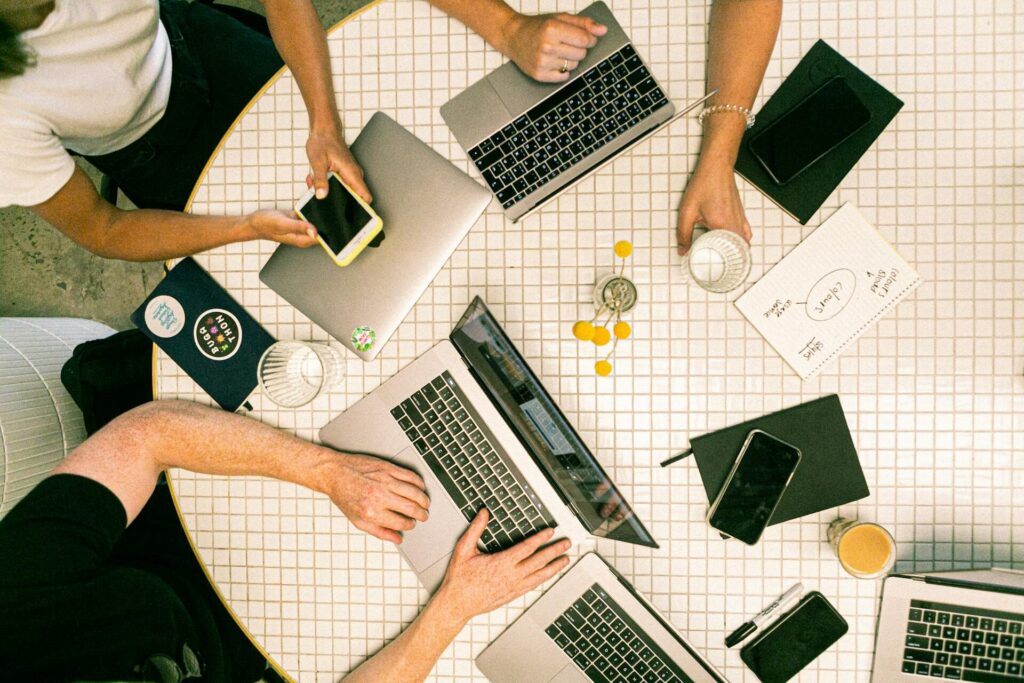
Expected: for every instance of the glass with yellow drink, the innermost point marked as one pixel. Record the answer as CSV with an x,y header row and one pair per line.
x,y
864,549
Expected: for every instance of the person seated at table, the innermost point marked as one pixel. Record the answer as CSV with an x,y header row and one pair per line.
x,y
92,582
145,90
741,36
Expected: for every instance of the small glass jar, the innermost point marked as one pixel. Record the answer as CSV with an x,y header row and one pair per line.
x,y
615,292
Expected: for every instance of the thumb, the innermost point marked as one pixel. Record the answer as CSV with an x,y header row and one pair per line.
x,y
467,544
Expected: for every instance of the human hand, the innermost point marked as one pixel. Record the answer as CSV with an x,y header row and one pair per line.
x,y
711,198
279,226
479,582
541,45
378,497
328,152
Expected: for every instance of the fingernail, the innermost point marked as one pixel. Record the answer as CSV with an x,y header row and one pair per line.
x,y
321,192
566,544
311,232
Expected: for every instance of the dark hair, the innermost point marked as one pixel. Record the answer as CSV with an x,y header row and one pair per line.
x,y
15,57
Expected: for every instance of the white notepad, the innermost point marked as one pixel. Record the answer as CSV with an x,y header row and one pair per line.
x,y
826,292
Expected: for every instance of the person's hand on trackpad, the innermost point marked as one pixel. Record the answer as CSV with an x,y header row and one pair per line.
x,y
378,497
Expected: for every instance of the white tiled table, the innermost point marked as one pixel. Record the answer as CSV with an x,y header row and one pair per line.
x,y
933,392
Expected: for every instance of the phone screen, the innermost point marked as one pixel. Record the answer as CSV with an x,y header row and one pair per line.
x,y
338,217
810,130
796,640
753,491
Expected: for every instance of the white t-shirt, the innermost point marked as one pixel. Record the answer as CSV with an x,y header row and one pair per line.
x,y
101,80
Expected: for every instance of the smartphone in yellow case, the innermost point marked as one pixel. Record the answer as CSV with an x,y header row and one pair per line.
x,y
344,223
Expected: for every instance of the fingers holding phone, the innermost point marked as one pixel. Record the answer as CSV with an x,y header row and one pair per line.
x,y
328,153
281,226
345,224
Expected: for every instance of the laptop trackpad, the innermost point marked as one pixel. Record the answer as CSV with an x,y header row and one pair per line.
x,y
432,540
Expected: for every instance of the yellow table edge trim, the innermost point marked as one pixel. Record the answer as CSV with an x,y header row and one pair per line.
x,y
167,265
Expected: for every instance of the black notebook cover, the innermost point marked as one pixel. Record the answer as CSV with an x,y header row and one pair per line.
x,y
829,473
206,332
806,193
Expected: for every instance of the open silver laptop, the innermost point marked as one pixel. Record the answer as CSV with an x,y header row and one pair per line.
x,y
475,422
956,625
593,625
427,205
531,140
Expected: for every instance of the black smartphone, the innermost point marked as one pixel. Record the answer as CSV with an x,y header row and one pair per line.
x,y
795,639
817,125
754,487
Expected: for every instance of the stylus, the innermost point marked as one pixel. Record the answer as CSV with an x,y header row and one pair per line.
x,y
780,604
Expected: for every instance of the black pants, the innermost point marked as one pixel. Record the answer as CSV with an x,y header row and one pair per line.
x,y
218,66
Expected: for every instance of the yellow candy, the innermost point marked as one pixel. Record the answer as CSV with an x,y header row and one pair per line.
x,y
602,336
622,330
583,330
603,368
623,248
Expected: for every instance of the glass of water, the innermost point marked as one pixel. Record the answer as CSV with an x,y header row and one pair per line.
x,y
719,261
293,373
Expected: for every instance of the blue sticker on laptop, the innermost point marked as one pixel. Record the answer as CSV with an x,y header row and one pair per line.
x,y
218,334
164,316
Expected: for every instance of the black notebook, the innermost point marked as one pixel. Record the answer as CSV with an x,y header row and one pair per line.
x,y
805,194
829,473
206,332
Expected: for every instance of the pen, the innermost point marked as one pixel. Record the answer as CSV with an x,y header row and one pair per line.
x,y
757,621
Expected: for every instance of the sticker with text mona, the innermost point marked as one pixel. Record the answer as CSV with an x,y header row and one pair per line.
x,y
164,316
218,334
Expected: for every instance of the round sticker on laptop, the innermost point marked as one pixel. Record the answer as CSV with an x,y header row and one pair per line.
x,y
363,338
164,316
218,334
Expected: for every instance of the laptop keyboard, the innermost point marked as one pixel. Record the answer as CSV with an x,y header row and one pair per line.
x,y
964,643
460,453
586,114
608,646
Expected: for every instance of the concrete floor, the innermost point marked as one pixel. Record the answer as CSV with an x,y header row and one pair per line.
x,y
43,273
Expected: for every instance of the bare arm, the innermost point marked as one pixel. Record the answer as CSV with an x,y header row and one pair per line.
x,y
540,45
741,37
79,212
300,39
474,583
128,454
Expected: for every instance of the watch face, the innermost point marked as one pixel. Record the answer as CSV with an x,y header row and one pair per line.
x,y
218,335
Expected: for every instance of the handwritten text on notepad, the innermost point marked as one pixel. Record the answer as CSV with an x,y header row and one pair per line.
x,y
827,291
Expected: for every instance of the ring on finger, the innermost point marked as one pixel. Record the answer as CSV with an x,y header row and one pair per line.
x,y
564,68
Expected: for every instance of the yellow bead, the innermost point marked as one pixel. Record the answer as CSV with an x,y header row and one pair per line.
x,y
583,330
602,336
603,368
623,248
622,330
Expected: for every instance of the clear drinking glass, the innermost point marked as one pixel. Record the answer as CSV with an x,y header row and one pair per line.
x,y
293,373
865,550
719,260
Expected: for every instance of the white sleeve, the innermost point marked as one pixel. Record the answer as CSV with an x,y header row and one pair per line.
x,y
33,163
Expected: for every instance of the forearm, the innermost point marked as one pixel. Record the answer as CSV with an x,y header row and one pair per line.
x,y
155,235
300,39
741,38
490,19
128,454
412,655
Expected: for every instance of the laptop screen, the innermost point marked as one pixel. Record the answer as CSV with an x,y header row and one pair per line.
x,y
543,429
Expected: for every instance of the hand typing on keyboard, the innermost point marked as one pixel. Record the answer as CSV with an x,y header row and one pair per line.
x,y
479,582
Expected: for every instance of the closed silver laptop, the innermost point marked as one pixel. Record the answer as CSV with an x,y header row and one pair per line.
x,y
531,140
593,625
427,206
965,625
475,422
